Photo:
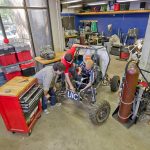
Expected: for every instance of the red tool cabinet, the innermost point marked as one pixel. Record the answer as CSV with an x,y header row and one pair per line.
x,y
20,104
24,55
8,59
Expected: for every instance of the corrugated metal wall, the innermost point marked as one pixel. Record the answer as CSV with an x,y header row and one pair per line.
x,y
145,59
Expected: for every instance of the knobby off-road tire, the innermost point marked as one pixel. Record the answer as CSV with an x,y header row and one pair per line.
x,y
115,83
99,112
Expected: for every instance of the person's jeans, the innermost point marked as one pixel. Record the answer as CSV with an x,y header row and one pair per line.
x,y
73,72
52,99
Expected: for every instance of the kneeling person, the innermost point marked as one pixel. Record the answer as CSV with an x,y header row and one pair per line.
x,y
47,78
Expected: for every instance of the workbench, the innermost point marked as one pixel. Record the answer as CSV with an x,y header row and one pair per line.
x,y
44,62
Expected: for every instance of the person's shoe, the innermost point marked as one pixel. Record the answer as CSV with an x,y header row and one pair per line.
x,y
58,104
46,111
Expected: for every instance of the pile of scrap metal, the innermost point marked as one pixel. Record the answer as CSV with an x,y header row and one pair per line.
x,y
122,48
47,52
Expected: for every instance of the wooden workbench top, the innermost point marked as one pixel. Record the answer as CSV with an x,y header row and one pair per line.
x,y
45,62
16,86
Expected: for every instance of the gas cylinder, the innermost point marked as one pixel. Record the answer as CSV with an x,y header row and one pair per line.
x,y
82,39
128,93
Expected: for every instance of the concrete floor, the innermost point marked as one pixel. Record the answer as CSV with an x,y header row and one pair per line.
x,y
68,128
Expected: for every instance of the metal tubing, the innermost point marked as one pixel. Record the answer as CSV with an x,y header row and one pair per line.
x,y
29,26
2,27
50,25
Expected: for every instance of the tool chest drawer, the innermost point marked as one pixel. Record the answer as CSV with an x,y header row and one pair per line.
x,y
31,99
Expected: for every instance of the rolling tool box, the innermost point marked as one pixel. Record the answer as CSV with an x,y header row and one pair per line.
x,y
11,72
20,104
7,55
22,52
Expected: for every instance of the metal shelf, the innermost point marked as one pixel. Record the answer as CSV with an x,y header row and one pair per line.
x,y
115,12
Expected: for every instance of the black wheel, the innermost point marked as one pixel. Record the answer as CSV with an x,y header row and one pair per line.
x,y
13,132
114,83
60,96
99,113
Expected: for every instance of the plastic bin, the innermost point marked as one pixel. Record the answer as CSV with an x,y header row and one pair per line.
x,y
11,69
11,75
21,47
28,71
103,7
24,55
116,6
124,6
8,59
6,49
27,65
22,51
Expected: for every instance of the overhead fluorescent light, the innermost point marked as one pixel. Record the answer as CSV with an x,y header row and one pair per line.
x,y
71,1
75,6
97,3
119,1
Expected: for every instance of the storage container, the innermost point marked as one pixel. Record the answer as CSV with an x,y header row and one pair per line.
x,y
124,6
104,7
27,65
8,59
24,55
11,69
124,52
116,6
21,47
11,75
23,93
6,49
22,51
28,71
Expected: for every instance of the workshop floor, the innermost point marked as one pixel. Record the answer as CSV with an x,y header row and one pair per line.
x,y
68,128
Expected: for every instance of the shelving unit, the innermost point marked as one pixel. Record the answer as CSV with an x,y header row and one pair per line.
x,y
2,67
114,12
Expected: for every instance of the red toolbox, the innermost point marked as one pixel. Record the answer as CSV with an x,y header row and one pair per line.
x,y
23,52
27,65
8,59
24,55
11,75
7,55
124,55
28,69
11,72
20,104
116,6
124,52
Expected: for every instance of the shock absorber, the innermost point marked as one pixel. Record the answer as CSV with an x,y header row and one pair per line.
x,y
128,92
